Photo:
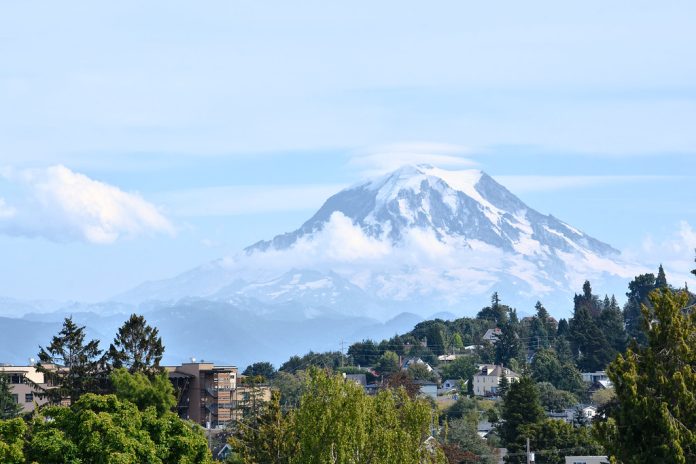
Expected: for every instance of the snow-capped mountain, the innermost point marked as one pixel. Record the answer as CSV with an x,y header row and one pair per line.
x,y
419,239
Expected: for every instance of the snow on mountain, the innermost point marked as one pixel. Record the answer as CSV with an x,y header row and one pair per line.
x,y
419,239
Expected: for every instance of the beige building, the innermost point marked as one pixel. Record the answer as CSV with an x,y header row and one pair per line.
x,y
205,392
486,381
24,384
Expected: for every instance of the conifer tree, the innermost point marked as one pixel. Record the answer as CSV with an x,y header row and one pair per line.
x,y
508,345
611,322
9,408
638,290
137,347
661,279
520,407
71,366
655,385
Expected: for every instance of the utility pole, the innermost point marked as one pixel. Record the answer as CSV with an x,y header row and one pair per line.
x,y
530,455
342,354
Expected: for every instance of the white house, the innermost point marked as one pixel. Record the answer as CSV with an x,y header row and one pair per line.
x,y
411,361
486,381
492,335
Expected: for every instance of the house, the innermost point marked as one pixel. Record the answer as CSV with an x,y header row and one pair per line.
x,y
452,384
586,460
359,379
205,392
568,415
411,361
25,384
445,358
487,379
593,377
427,388
492,335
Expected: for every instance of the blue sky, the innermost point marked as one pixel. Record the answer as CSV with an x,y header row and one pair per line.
x,y
204,127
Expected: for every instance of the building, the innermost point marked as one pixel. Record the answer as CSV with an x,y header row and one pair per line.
x,y
205,392
594,377
248,397
427,388
25,384
486,381
492,335
359,379
412,361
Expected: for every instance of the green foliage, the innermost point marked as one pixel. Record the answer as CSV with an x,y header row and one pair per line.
x,y
144,391
328,360
508,345
418,371
461,368
496,312
553,399
364,353
546,367
137,347
337,422
103,429
521,406
9,408
463,434
551,441
590,346
655,385
388,363
611,322
82,364
264,369
12,433
638,290
291,387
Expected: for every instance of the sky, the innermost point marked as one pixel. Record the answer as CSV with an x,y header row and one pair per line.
x,y
139,140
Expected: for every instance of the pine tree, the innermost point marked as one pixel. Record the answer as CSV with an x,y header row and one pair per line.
x,y
71,366
661,279
638,290
611,322
588,343
520,407
9,407
655,388
508,345
137,347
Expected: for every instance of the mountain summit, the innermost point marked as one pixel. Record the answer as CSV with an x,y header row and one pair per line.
x,y
465,204
418,239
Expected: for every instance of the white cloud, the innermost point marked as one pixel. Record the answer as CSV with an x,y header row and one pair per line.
x,y
380,159
676,254
61,205
235,200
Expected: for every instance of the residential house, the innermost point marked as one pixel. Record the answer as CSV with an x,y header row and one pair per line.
x,y
360,379
487,379
411,361
492,335
427,388
25,384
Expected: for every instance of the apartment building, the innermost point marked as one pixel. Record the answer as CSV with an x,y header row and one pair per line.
x,y
205,392
486,381
25,383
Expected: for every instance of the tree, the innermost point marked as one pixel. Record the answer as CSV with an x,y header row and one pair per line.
x,y
655,387
137,347
611,323
553,399
588,343
70,365
462,368
104,429
401,380
9,407
364,353
508,345
457,343
661,279
12,433
470,448
551,441
638,290
337,422
388,363
521,406
143,391
496,312
264,369
418,371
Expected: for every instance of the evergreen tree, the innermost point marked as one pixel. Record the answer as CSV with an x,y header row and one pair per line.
x,y
137,347
71,366
508,345
655,388
611,323
661,279
638,290
588,343
496,312
521,406
263,369
504,385
9,408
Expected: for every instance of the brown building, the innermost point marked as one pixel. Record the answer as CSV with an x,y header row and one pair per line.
x,y
205,392
25,383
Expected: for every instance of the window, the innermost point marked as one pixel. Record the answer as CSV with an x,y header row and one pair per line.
x,y
28,397
16,379
15,397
